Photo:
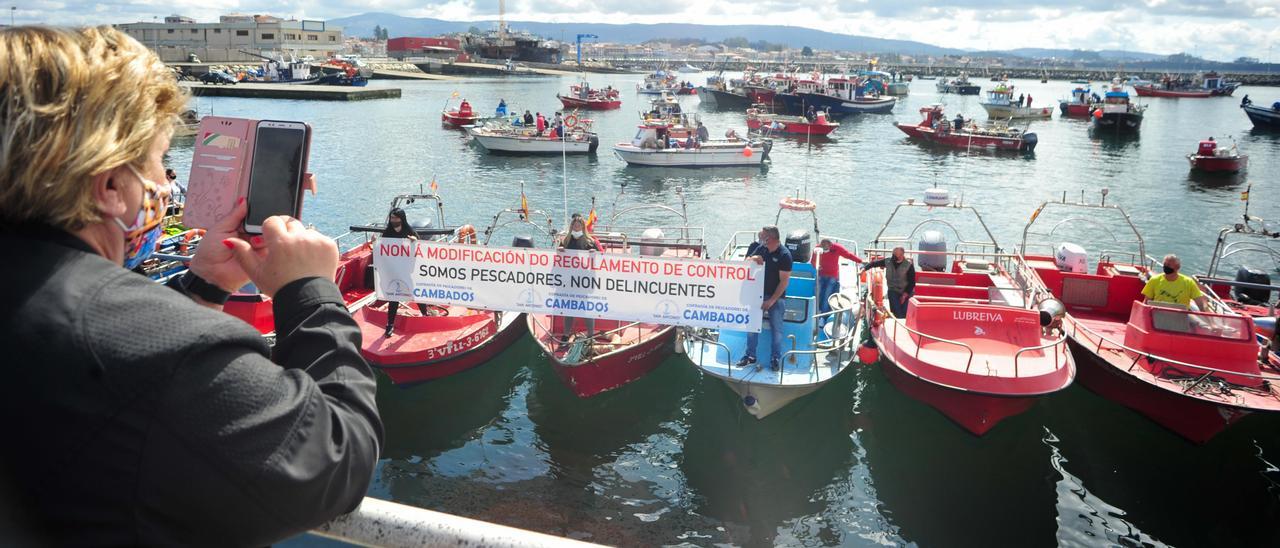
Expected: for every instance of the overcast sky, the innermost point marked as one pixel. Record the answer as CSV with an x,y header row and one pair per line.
x,y
1218,29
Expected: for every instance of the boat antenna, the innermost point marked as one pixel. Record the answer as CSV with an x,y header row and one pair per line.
x,y
1105,191
564,173
1244,196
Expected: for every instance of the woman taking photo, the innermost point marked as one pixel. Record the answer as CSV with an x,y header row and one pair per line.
x,y
145,415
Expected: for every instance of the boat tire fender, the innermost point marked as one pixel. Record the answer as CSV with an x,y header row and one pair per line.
x,y
466,234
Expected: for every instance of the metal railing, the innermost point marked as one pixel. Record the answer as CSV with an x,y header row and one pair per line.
x,y
382,523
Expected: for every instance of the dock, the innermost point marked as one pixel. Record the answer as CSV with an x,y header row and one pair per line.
x,y
379,74
284,91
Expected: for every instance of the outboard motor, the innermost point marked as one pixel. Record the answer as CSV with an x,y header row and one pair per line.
x,y
932,240
800,245
593,144
767,145
1051,312
1029,141
1071,258
652,236
424,224
522,240
1249,295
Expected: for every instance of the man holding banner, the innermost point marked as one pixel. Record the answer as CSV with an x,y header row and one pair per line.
x,y
777,273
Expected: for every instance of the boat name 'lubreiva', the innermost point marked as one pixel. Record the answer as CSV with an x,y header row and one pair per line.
x,y
971,316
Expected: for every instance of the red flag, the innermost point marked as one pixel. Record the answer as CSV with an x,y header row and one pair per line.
x,y
591,220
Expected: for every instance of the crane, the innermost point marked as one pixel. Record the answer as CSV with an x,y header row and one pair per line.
x,y
580,37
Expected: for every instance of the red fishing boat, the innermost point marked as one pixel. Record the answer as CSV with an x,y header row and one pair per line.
x,y
1195,372
461,116
760,118
935,127
1252,248
1155,91
584,97
976,343
618,352
442,340
1080,103
1212,158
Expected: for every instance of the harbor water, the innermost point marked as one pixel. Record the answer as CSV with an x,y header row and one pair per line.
x,y
672,459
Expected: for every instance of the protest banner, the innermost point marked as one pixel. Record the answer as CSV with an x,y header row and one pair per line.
x,y
584,284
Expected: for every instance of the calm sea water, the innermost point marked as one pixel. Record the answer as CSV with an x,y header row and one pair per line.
x,y
672,459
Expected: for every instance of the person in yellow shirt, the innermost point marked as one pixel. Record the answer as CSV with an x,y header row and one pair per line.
x,y
1172,287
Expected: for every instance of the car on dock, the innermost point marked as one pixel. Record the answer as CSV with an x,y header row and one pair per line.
x,y
217,77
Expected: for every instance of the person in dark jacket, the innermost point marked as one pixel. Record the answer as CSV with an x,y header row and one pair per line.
x,y
142,414
900,277
398,227
578,238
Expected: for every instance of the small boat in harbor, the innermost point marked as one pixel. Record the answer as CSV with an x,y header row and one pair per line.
x,y
820,345
1211,158
936,128
977,343
759,119
1116,112
1193,371
446,339
718,94
503,137
656,83
1000,104
188,124
583,96
1252,247
619,352
1262,117
841,96
659,144
1210,84
959,86
458,117
689,69
1080,104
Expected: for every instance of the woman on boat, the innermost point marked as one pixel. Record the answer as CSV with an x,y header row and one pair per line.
x,y
398,227
146,415
577,237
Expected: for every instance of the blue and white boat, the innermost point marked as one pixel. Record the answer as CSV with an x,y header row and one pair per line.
x,y
819,346
848,96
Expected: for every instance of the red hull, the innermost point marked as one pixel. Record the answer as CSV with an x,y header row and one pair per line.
x,y
1078,109
977,413
1218,163
257,310
1148,91
452,118
1194,419
961,140
612,370
686,91
587,104
409,357
794,128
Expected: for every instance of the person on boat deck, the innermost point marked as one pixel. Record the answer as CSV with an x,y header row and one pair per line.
x,y
1028,99
577,237
900,277
398,227
829,270
1246,101
502,107
541,124
776,259
528,118
1173,286
1020,99
556,121
690,142
703,134
142,414
959,121
811,114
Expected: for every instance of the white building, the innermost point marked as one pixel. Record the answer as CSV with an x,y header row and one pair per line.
x,y
179,37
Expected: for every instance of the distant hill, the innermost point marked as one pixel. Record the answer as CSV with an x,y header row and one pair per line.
x,y
634,33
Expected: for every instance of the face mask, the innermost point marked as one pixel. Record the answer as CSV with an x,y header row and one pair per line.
x,y
576,233
140,238
1168,269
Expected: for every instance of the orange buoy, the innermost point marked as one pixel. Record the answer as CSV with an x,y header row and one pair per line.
x,y
747,152
868,354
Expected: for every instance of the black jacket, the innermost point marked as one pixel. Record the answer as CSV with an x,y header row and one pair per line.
x,y
136,416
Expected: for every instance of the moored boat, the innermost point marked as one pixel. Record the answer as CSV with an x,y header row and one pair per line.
x,y
958,86
619,352
1117,112
719,95
431,341
1205,85
999,104
761,120
583,96
1262,117
1252,247
463,115
659,144
820,345
936,128
1195,372
1210,157
506,138
976,343
1080,104
841,96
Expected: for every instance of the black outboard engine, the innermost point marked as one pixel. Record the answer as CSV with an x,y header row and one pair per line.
x,y
1249,295
1029,141
522,241
593,144
800,245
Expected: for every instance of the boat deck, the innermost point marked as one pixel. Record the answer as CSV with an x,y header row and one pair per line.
x,y
611,336
419,338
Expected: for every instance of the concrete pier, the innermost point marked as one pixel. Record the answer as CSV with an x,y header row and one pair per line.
x,y
282,91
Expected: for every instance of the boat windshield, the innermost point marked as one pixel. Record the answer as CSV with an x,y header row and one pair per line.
x,y
918,224
1189,322
1106,228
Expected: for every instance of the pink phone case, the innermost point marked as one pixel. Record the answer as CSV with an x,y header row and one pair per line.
x,y
219,169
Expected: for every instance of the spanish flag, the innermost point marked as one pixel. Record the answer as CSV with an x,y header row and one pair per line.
x,y
435,188
455,95
1244,196
591,220
524,204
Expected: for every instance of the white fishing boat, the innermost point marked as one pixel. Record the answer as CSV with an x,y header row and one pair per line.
x,y
659,144
689,69
820,346
502,137
1000,104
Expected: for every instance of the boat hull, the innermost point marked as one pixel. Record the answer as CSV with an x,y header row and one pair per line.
x,y
959,90
1075,109
794,128
1118,121
700,157
1262,117
455,120
898,89
588,104
1152,91
1026,143
611,370
723,99
1218,164
405,369
501,144
838,106
977,413
1017,113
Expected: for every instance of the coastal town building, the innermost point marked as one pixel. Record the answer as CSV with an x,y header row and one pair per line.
x,y
178,38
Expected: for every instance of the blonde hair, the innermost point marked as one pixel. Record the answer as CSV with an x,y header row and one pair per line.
x,y
75,103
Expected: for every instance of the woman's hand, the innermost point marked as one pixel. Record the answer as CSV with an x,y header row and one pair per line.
x,y
289,252
215,261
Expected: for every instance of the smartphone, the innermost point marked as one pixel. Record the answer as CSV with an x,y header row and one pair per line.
x,y
279,163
